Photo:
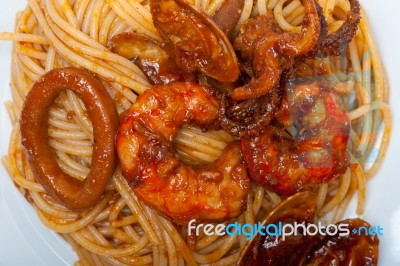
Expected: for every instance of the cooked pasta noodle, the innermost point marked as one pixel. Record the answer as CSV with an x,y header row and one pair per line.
x,y
120,230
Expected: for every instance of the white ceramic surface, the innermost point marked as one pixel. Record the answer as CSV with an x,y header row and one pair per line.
x,y
25,241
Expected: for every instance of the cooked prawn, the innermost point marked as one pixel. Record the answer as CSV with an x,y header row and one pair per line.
x,y
317,151
152,167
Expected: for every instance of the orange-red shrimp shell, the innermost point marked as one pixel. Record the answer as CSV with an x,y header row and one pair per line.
x,y
153,169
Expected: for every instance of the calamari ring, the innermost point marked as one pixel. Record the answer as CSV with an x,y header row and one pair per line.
x,y
70,192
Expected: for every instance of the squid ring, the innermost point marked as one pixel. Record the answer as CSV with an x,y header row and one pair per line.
x,y
72,193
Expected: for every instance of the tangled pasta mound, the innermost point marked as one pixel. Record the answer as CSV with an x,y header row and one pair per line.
x,y
155,113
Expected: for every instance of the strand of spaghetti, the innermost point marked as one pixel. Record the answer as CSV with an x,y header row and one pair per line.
x,y
62,227
152,217
280,19
198,146
85,27
69,14
79,60
11,112
66,134
124,221
172,252
72,164
246,12
328,10
214,6
216,255
387,122
23,37
77,151
217,135
364,109
204,4
95,19
292,7
123,189
50,59
123,65
112,252
271,4
205,241
177,239
27,71
11,163
344,203
204,139
295,16
379,79
142,11
196,154
105,28
361,184
259,193
189,159
229,260
98,238
134,23
17,92
262,7
321,196
77,248
72,31
367,121
248,213
79,114
340,194
33,53
116,208
273,197
80,10
71,171
62,124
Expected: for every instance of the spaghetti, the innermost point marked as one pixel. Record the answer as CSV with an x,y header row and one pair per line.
x,y
121,230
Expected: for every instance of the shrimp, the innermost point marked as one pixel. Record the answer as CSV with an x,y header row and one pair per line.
x,y
317,151
272,51
152,167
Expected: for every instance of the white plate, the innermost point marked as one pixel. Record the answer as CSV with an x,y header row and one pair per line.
x,y
25,241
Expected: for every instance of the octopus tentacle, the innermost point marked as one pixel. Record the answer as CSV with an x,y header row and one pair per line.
x,y
335,43
273,51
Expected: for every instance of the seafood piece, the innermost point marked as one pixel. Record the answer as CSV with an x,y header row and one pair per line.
x,y
228,15
70,192
324,247
272,51
352,249
250,117
149,55
317,151
197,43
335,43
273,250
152,167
